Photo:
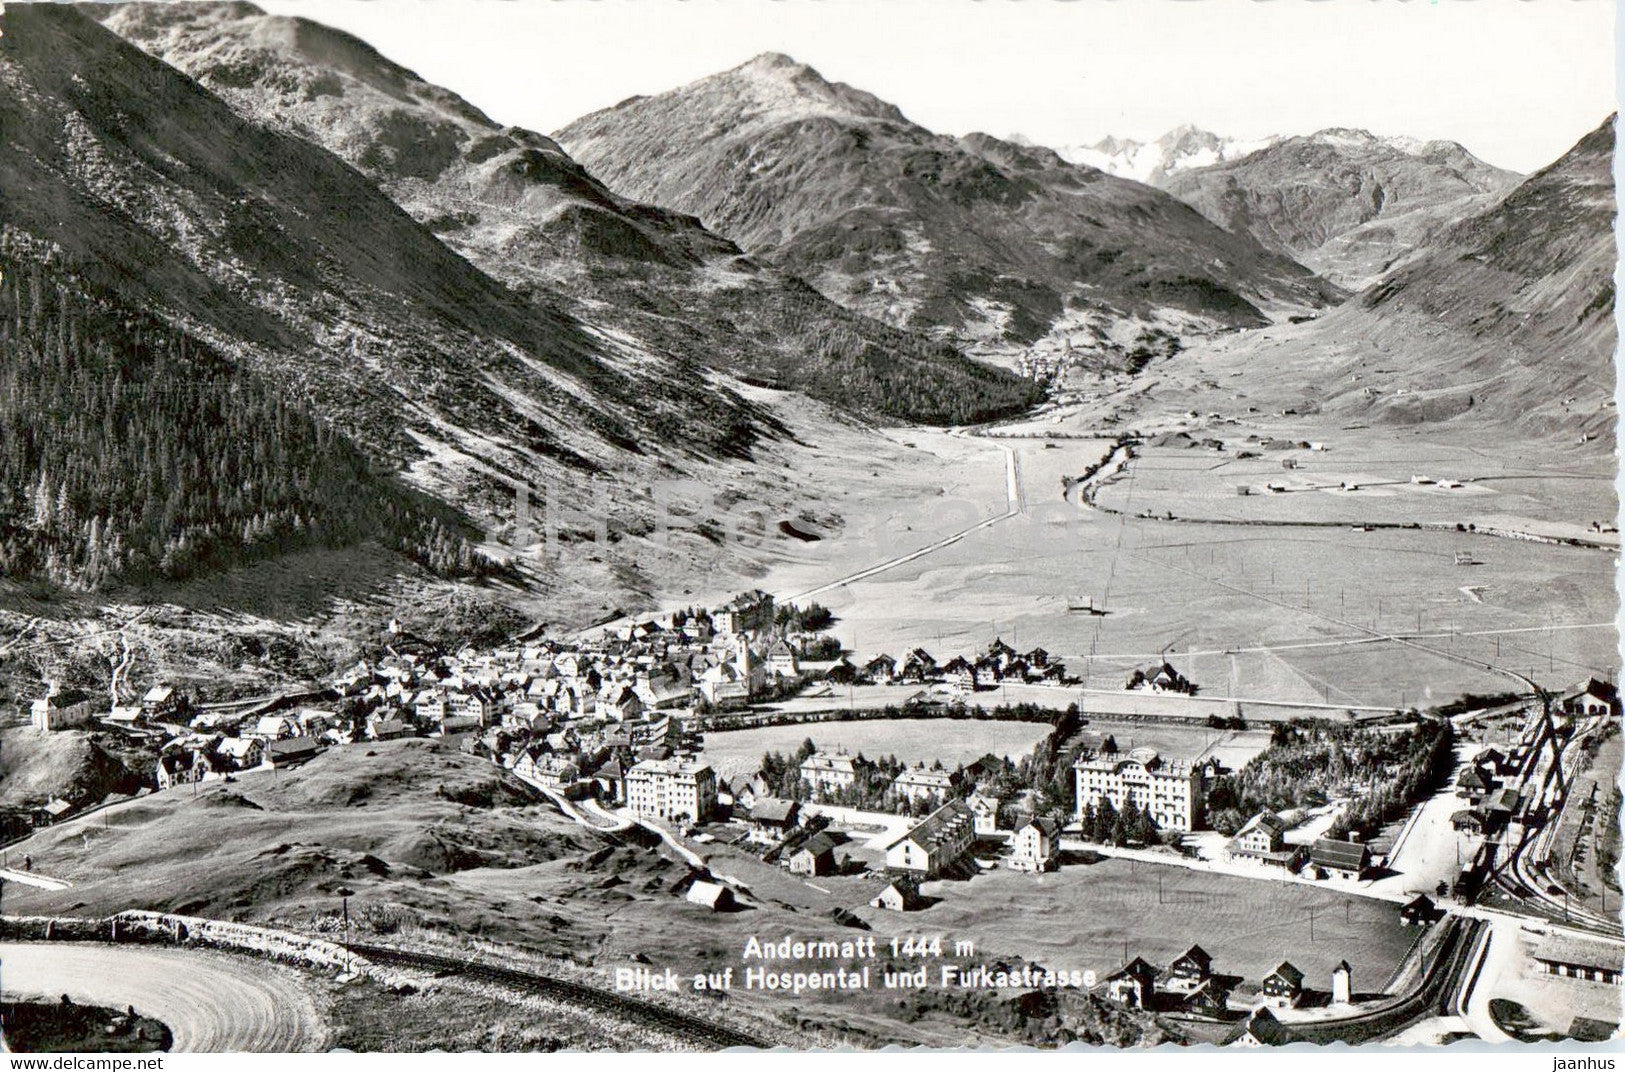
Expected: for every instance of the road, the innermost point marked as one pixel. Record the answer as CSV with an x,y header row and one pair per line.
x,y
211,1002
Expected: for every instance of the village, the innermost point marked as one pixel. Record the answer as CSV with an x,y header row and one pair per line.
x,y
612,726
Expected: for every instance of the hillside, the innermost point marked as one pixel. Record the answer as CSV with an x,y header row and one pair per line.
x,y
1346,203
1524,294
388,819
131,452
1503,329
69,764
981,237
515,204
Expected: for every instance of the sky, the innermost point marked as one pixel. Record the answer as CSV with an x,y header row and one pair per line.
x,y
1516,81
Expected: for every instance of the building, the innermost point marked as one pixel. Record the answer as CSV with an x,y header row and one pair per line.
x,y
293,751
1134,984
1263,1029
941,840
1210,999
745,612
815,857
1342,983
918,783
1264,835
241,753
713,895
182,768
1283,987
1171,790
48,714
1473,784
1190,970
771,818
1593,698
781,661
900,895
1036,845
159,701
986,809
831,772
1340,859
1419,912
672,789
1574,959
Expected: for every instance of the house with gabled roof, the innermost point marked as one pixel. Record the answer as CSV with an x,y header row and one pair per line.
x,y
1264,834
1134,984
1190,969
773,817
898,895
1339,858
815,856
1283,987
938,842
1594,697
1036,845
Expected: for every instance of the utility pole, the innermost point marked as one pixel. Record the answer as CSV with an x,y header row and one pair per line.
x,y
345,893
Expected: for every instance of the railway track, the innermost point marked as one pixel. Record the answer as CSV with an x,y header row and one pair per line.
x,y
691,1028
1436,994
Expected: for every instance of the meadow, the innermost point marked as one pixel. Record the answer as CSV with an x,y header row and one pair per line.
x,y
912,740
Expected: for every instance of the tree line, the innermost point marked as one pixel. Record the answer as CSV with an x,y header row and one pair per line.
x,y
1309,762
132,452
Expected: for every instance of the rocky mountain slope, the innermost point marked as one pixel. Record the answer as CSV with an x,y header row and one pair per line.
x,y
1153,162
1508,317
515,204
977,236
1346,203
148,198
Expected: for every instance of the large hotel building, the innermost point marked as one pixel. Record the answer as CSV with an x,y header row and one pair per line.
x,y
1172,790
672,789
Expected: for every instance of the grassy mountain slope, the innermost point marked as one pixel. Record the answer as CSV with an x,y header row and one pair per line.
x,y
1344,202
974,235
515,204
1509,316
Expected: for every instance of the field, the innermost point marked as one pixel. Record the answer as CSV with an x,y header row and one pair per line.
x,y
1081,916
912,740
1301,615
1233,748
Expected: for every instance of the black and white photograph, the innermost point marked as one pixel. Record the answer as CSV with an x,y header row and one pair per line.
x,y
809,525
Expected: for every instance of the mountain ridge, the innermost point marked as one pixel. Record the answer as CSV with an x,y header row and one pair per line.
x,y
972,236
515,204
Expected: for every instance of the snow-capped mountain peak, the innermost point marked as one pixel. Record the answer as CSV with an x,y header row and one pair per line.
x,y
1181,149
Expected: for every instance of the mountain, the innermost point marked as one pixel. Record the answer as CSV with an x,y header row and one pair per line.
x,y
156,230
517,206
1507,317
976,236
1347,203
1153,162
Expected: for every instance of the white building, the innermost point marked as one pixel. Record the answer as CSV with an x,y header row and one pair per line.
x,y
939,841
830,771
672,789
46,714
1172,790
1036,845
921,783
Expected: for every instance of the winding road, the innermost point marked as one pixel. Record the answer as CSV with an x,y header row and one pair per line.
x,y
209,1002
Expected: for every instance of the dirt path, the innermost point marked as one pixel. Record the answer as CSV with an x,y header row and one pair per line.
x,y
211,1002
